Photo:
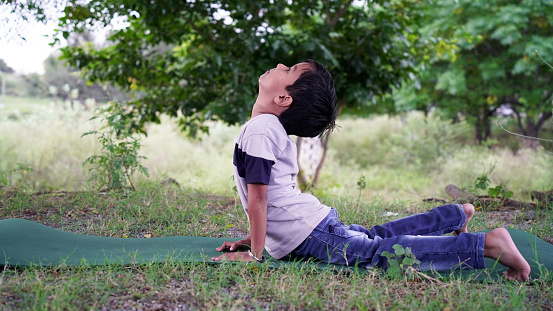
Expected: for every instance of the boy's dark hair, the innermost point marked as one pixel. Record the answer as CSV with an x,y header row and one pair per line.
x,y
313,108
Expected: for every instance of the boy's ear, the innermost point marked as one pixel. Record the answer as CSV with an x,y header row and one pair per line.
x,y
283,100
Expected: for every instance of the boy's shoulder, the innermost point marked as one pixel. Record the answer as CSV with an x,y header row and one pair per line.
x,y
264,124
265,127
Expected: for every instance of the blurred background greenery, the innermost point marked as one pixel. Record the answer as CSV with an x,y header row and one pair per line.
x,y
421,87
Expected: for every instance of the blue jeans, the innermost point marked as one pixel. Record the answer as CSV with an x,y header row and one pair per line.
x,y
333,242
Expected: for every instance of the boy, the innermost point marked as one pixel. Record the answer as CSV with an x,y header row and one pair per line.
x,y
301,100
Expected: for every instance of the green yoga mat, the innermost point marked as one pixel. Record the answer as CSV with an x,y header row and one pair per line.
x,y
26,243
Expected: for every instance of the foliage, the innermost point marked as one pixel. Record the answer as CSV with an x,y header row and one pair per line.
x,y
528,137
482,182
401,263
120,160
20,174
361,147
3,179
4,68
500,191
199,60
17,13
484,61
361,184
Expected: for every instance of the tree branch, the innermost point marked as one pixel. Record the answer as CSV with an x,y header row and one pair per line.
x,y
519,122
341,105
332,22
320,166
544,117
523,136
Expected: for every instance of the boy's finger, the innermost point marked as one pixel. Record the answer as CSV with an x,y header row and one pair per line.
x,y
222,248
219,258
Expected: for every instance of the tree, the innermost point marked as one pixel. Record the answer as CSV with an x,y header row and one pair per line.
x,y
213,65
200,60
486,59
211,70
4,68
17,14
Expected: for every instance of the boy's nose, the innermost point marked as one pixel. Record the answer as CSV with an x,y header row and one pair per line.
x,y
281,67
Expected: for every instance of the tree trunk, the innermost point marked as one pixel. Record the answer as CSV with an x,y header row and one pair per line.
x,y
323,157
302,179
3,102
483,129
530,130
311,164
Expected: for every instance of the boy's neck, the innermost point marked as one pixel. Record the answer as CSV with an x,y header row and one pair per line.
x,y
266,106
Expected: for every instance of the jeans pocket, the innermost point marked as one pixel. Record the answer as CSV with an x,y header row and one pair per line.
x,y
343,231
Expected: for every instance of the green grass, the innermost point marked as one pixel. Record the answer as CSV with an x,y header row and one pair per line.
x,y
155,210
414,158
402,159
226,287
18,107
406,158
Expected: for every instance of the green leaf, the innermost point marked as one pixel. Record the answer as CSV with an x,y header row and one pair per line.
x,y
408,251
399,250
394,272
392,263
407,261
89,133
387,254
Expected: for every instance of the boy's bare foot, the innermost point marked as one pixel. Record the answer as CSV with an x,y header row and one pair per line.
x,y
469,212
500,246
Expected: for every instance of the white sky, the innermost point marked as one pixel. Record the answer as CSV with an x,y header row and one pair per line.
x,y
27,56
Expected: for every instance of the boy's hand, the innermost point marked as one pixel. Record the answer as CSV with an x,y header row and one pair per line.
x,y
232,246
237,256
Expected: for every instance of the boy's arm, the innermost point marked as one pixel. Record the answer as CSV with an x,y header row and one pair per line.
x,y
257,214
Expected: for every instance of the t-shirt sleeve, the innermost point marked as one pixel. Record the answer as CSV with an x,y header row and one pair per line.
x,y
254,157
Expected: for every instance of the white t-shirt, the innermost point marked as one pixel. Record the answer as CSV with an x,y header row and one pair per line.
x,y
265,154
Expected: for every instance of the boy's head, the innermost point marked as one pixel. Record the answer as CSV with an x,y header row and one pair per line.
x,y
313,108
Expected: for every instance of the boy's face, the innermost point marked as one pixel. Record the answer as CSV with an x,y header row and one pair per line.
x,y
274,82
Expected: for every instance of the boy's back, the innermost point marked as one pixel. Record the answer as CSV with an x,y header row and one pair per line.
x,y
265,154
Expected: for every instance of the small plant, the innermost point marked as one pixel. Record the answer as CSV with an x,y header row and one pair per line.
x,y
119,158
3,179
482,182
500,191
23,170
402,263
361,185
